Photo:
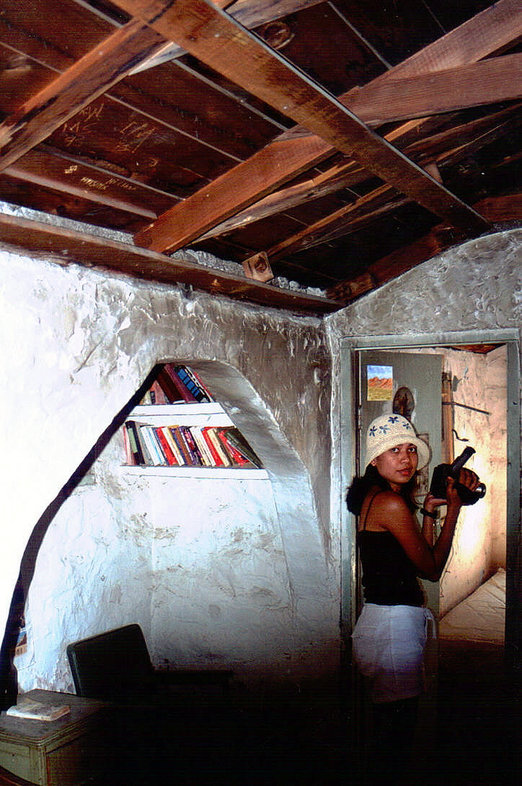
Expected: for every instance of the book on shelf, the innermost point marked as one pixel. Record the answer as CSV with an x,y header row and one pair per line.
x,y
187,446
180,441
192,446
131,430
235,437
174,388
192,383
165,447
176,384
37,710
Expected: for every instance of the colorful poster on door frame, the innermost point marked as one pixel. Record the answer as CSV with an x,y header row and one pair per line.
x,y
380,383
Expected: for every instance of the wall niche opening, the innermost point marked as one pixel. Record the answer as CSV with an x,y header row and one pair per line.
x,y
210,561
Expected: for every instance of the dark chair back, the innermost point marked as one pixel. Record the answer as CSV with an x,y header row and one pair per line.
x,y
9,779
112,666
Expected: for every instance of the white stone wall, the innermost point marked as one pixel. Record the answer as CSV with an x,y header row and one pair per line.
x,y
75,345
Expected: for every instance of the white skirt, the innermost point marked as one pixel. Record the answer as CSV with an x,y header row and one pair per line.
x,y
388,648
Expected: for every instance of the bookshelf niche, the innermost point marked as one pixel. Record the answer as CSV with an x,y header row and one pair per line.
x,y
178,428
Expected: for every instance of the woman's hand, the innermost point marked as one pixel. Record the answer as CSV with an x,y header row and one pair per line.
x,y
431,502
466,478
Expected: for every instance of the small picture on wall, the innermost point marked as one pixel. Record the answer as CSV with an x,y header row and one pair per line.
x,y
380,383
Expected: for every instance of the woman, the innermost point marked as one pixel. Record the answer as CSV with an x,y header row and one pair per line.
x,y
390,634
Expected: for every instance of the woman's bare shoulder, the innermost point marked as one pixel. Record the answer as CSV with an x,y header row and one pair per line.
x,y
390,500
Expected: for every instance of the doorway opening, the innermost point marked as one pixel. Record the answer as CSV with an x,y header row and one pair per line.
x,y
473,400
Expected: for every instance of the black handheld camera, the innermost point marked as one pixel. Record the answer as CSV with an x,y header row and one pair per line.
x,y
444,471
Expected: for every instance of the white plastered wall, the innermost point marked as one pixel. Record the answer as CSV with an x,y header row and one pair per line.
x,y
251,579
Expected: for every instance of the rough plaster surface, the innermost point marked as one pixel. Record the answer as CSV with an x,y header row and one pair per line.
x,y
76,345
474,287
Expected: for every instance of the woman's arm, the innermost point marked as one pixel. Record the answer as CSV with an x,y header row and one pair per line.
x,y
391,512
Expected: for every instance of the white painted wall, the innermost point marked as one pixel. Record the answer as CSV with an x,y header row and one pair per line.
x,y
258,583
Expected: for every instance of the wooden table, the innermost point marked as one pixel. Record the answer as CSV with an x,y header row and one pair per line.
x,y
64,752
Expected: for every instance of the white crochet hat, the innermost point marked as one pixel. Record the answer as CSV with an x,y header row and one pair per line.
x,y
388,431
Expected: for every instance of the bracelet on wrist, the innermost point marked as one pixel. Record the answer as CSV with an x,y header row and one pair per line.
x,y
432,515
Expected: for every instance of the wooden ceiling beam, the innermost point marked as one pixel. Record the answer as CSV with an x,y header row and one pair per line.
x,y
119,55
249,13
501,208
217,40
334,179
348,218
370,207
480,36
476,84
438,147
68,246
439,239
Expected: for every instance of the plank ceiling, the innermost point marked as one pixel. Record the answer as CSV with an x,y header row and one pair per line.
x,y
333,144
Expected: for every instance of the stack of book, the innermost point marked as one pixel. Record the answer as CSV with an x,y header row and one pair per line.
x,y
187,446
174,384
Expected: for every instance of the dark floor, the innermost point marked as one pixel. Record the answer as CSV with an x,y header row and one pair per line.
x,y
308,737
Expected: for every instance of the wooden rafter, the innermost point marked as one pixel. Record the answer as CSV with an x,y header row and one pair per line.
x,y
249,13
349,219
440,148
355,215
119,55
220,42
486,82
287,157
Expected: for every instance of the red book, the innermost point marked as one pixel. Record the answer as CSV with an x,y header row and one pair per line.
x,y
215,455
173,386
169,455
235,455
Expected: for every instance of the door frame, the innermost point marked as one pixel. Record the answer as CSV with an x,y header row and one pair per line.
x,y
349,346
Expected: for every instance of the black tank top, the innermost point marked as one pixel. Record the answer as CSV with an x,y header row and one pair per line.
x,y
389,576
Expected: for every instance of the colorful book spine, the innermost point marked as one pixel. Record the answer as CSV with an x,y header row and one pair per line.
x,y
173,446
134,443
173,386
180,442
192,446
167,450
194,388
156,457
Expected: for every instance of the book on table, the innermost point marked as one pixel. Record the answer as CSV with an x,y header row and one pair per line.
x,y
37,710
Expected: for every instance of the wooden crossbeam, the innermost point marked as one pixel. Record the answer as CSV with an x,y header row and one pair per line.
x,y
363,208
68,246
393,265
249,13
352,217
475,84
481,36
440,147
119,55
217,40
